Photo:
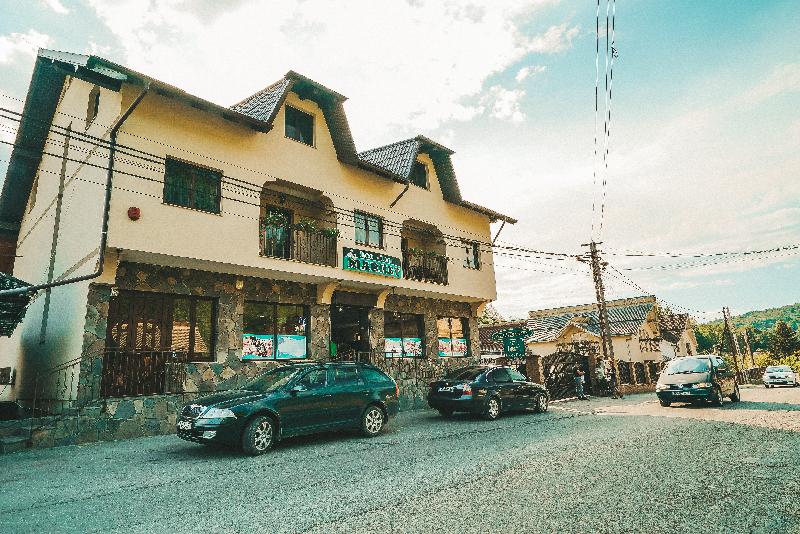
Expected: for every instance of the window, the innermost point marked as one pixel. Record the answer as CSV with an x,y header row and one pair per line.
x,y
299,126
93,106
369,229
453,339
403,335
191,186
345,376
274,331
314,379
373,376
500,376
419,175
155,322
473,255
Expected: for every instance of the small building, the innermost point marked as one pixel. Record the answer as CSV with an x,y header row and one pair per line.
x,y
237,237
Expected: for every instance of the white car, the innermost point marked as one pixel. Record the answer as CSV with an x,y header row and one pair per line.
x,y
779,375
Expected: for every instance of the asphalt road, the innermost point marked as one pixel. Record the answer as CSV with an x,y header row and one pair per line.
x,y
596,466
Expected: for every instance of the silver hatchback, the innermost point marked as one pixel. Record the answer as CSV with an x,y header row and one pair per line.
x,y
779,375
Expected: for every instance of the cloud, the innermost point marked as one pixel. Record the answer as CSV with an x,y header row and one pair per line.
x,y
15,45
505,104
406,67
556,39
531,70
56,6
784,78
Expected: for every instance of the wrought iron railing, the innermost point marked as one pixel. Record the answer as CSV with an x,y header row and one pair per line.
x,y
425,267
55,389
624,372
300,245
638,372
128,373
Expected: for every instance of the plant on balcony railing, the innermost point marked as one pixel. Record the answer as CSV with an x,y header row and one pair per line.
x,y
302,241
425,265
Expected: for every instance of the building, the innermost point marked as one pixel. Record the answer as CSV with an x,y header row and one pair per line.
x,y
643,335
236,237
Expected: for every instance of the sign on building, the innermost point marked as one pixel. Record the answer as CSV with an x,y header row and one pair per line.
x,y
513,340
365,261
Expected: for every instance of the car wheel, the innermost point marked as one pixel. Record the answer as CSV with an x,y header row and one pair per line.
x,y
445,413
492,411
258,435
372,421
736,396
717,398
665,403
541,403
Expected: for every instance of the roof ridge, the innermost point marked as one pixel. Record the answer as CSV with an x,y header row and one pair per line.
x,y
259,92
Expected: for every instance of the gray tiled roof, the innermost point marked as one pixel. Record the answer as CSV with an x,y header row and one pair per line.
x,y
624,320
397,158
264,104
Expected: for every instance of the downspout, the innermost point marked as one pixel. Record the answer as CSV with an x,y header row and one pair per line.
x,y
106,210
498,231
403,192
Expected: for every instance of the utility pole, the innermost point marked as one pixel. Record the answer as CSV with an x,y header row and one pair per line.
x,y
749,348
726,314
605,331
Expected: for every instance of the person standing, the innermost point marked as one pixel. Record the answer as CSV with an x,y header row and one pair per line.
x,y
579,380
600,375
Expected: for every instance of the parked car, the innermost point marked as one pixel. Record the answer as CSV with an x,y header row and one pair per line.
x,y
695,379
779,375
486,390
291,400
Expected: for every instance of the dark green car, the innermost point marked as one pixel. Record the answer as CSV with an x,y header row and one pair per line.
x,y
292,400
696,379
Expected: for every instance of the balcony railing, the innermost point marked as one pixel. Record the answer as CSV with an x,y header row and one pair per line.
x,y
425,268
300,245
129,373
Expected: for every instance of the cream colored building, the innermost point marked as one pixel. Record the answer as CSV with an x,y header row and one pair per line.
x,y
237,236
640,331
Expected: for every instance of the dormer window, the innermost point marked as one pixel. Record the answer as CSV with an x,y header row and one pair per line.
x,y
419,175
299,126
93,106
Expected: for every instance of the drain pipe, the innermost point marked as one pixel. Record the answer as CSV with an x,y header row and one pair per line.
x,y
106,209
403,192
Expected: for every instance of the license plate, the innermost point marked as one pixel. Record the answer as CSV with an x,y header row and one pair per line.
x,y
447,388
682,393
184,425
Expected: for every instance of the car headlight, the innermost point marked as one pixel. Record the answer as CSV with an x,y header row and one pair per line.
x,y
702,385
217,413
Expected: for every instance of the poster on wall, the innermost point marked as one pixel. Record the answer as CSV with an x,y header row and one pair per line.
x,y
393,347
452,347
412,346
291,347
257,346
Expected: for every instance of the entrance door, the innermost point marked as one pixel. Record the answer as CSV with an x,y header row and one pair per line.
x,y
349,329
277,233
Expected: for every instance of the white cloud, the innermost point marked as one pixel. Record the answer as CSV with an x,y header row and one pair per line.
x,y
505,104
556,39
531,70
784,78
417,64
15,45
56,6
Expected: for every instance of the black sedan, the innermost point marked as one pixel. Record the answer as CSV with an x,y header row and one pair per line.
x,y
292,400
487,391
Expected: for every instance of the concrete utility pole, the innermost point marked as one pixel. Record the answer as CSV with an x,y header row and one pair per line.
x,y
605,331
726,314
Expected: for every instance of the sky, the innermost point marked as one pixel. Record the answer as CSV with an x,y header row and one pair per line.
x,y
702,151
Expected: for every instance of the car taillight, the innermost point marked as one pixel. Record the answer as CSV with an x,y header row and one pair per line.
x,y
467,390
396,390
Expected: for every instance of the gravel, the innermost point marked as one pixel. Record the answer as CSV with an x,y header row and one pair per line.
x,y
597,466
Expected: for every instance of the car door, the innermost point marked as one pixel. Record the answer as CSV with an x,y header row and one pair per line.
x,y
524,392
307,406
350,394
724,376
505,387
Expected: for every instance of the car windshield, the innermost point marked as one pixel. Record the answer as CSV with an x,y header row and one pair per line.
x,y
779,369
688,365
465,373
272,380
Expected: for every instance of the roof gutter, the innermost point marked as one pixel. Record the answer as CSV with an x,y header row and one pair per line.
x,y
106,209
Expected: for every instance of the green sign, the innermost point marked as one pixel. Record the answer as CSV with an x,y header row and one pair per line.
x,y
365,261
513,340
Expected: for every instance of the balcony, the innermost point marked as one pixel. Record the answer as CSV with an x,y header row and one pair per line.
x,y
424,267
305,245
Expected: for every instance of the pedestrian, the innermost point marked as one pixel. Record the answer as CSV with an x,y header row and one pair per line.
x,y
600,375
579,379
613,383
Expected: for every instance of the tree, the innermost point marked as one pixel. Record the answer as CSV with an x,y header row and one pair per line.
x,y
490,316
709,337
783,341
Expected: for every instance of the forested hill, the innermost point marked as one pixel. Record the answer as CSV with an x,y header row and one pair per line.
x,y
766,319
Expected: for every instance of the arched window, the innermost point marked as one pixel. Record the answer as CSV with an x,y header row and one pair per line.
x,y
93,106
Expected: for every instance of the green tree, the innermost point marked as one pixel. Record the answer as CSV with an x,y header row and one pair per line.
x,y
783,341
490,316
709,336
